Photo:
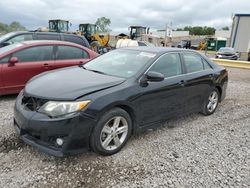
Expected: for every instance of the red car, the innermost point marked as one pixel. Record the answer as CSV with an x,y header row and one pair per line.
x,y
21,61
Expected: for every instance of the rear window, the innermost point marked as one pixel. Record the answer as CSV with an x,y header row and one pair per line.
x,y
194,62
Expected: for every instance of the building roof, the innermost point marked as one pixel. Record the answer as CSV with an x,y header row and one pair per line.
x,y
238,14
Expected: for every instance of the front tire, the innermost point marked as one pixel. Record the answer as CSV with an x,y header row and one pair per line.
x,y
95,45
111,132
211,102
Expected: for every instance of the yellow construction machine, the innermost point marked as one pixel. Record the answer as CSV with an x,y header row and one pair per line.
x,y
98,42
61,26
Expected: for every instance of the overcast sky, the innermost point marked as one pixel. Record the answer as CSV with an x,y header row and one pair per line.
x,y
151,13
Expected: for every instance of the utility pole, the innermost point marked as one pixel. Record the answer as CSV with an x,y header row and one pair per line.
x,y
166,30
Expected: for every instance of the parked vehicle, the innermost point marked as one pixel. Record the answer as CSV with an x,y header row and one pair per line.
x,y
226,53
131,43
21,61
20,36
100,104
184,44
98,42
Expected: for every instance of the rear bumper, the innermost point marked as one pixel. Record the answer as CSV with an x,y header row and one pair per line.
x,y
41,132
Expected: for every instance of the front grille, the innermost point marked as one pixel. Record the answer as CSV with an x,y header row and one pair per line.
x,y
32,103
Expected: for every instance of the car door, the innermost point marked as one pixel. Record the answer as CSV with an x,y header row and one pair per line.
x,y
199,80
1,77
161,100
31,61
69,56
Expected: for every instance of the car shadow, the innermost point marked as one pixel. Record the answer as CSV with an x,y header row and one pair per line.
x,y
8,97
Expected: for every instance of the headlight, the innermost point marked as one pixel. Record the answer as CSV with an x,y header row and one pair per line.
x,y
55,109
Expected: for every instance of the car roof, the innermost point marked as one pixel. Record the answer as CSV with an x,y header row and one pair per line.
x,y
50,33
157,49
44,42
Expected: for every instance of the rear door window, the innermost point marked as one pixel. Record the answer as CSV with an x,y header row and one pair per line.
x,y
37,53
20,38
194,63
70,52
46,36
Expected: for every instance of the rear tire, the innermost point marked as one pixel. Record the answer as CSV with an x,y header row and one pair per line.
x,y
211,102
111,132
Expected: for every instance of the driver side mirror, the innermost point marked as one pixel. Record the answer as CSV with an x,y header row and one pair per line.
x,y
152,76
12,61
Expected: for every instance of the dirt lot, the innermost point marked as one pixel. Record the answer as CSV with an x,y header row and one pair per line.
x,y
194,151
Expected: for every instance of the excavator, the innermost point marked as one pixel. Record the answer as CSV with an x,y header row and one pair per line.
x,y
60,26
136,32
98,42
138,36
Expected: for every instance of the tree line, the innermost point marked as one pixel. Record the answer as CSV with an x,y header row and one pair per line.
x,y
198,30
14,26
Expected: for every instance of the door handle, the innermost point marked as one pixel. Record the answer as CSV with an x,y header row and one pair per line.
x,y
46,66
182,83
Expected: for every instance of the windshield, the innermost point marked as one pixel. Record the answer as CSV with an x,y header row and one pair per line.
x,y
9,47
2,38
121,63
227,50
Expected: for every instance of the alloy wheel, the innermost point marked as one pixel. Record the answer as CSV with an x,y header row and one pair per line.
x,y
212,101
114,133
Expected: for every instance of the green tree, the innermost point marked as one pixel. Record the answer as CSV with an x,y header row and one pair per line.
x,y
226,28
4,28
103,23
198,30
14,26
179,29
209,30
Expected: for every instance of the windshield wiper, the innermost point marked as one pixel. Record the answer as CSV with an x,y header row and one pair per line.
x,y
97,71
82,66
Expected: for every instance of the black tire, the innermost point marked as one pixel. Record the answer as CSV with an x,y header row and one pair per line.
x,y
97,133
206,110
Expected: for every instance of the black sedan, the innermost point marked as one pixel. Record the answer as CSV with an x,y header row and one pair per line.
x,y
226,53
100,104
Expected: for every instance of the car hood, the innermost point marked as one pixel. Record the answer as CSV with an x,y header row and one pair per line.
x,y
69,84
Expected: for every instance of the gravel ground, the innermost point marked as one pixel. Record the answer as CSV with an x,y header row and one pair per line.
x,y
193,151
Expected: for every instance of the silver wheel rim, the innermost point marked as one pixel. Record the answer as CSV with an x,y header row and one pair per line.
x,y
114,133
212,101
